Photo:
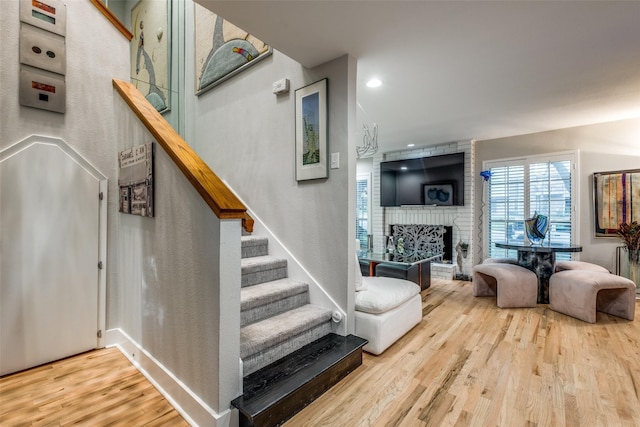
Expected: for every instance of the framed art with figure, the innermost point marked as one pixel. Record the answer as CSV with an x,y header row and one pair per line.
x,y
150,47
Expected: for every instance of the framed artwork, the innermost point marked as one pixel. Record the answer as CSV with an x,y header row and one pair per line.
x,y
311,131
616,200
438,194
150,47
135,180
222,50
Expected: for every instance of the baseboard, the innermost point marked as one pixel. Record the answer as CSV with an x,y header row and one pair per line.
x,y
192,408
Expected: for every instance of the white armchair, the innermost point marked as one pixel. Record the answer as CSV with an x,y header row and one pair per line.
x,y
386,309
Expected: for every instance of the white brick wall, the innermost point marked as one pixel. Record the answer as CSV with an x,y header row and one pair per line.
x,y
460,217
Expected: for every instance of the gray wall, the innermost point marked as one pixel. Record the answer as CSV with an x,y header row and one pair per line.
x,y
603,147
246,134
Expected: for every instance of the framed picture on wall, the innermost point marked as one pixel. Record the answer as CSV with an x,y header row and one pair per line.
x,y
135,180
150,63
222,50
616,200
311,131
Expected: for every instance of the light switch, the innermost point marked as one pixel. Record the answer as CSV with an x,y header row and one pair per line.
x,y
335,160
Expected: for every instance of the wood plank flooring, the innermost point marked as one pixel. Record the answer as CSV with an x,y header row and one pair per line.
x,y
97,388
468,363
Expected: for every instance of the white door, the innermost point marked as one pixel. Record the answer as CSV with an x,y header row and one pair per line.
x,y
49,231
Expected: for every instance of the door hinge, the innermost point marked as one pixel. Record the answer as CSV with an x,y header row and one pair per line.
x,y
99,333
101,195
100,265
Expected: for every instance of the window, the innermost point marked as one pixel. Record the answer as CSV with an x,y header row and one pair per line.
x,y
363,191
519,188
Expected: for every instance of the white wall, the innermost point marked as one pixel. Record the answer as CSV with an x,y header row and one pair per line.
x,y
460,217
246,134
603,147
171,280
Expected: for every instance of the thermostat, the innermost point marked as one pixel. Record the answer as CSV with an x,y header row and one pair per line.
x,y
281,86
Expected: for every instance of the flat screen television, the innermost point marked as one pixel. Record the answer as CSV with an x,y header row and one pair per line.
x,y
430,181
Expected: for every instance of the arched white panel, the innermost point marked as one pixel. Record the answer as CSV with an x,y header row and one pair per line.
x,y
51,289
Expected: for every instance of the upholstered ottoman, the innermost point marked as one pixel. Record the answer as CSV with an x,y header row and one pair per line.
x,y
514,286
386,309
579,265
580,293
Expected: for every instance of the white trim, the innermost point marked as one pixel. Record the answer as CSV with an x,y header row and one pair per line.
x,y
572,155
20,146
192,408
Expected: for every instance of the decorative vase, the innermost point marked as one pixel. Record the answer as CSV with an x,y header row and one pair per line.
x,y
536,228
631,267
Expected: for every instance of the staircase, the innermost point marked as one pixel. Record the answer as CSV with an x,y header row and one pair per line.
x,y
277,320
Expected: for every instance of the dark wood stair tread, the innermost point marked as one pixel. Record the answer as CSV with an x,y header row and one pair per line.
x,y
278,391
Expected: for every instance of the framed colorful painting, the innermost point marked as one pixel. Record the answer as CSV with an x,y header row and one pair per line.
x,y
222,50
616,200
311,131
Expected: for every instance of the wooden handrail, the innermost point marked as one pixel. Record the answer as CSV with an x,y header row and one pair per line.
x,y
215,193
112,18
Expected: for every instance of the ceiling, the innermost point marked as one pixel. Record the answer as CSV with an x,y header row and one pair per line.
x,y
460,70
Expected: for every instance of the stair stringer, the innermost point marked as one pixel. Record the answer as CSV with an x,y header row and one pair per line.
x,y
317,294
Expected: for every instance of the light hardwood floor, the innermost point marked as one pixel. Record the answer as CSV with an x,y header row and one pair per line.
x,y
97,388
467,363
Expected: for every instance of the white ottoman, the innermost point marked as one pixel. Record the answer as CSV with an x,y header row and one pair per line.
x,y
386,309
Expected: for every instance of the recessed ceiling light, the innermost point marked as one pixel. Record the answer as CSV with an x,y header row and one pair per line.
x,y
411,145
404,168
374,83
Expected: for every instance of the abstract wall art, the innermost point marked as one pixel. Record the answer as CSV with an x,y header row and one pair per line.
x,y
616,200
222,50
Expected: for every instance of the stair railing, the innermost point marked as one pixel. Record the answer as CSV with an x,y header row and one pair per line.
x,y
212,189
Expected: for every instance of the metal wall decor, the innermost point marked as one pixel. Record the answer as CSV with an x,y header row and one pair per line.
x,y
43,57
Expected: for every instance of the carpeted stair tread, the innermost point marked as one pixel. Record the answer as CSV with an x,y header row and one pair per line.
x,y
261,263
270,332
253,246
265,293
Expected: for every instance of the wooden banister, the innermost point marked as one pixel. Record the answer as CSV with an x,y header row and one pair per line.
x,y
215,193
112,18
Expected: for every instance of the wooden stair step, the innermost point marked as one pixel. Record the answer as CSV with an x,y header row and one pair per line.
x,y
278,391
